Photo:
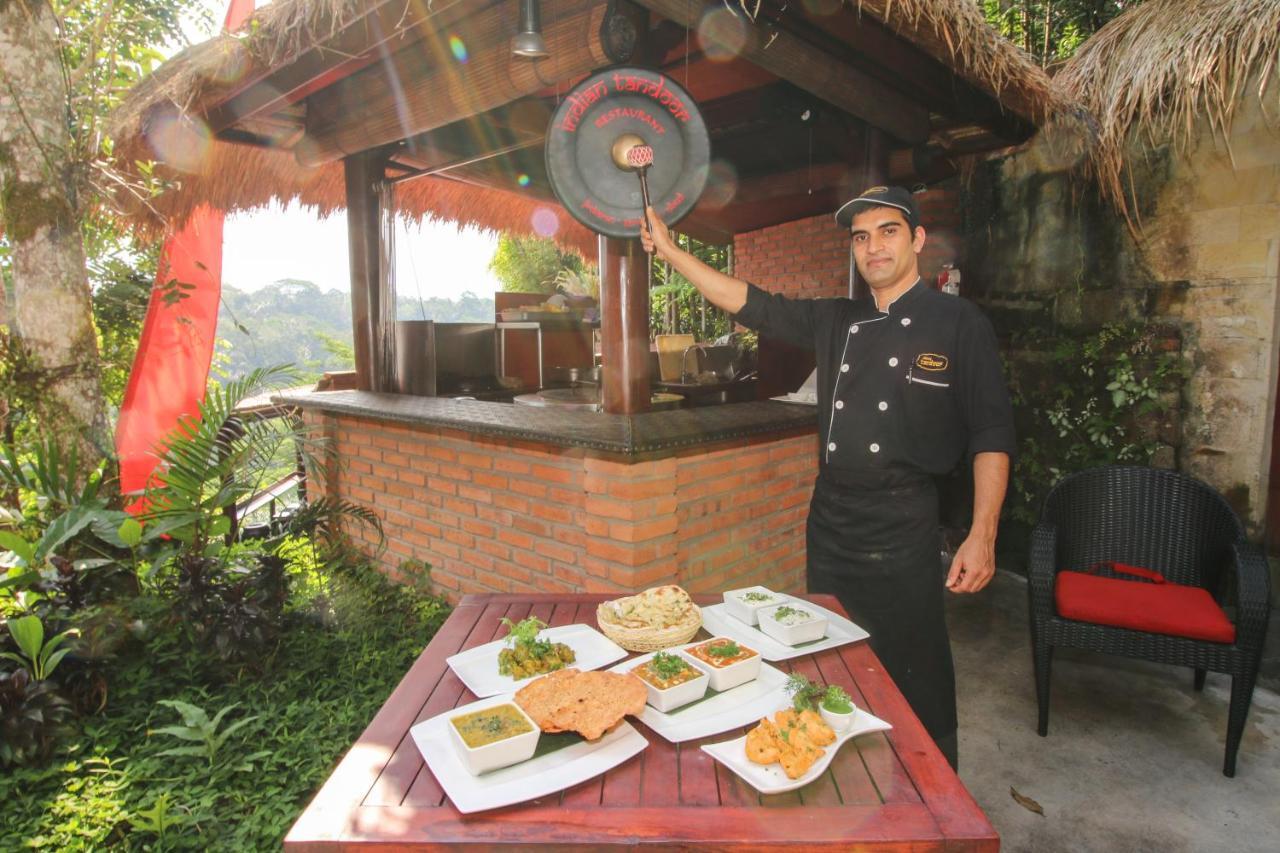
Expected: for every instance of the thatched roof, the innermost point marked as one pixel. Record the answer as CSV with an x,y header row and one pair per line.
x,y
1155,70
159,120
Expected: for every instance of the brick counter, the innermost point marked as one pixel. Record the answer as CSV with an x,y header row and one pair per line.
x,y
501,498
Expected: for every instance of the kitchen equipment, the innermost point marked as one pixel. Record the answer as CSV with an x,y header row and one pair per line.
x,y
438,359
572,376
671,350
587,398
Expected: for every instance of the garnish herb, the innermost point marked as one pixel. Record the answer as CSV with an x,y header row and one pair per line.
x,y
805,695
726,649
667,665
756,597
525,633
787,610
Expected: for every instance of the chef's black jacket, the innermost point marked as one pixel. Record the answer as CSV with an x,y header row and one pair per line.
x,y
916,387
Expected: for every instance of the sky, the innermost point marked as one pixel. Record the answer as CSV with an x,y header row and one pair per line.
x,y
266,245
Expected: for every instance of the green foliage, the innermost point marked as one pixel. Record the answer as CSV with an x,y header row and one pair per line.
x,y
531,264
676,306
204,733
354,636
1051,30
294,322
36,656
34,717
1082,400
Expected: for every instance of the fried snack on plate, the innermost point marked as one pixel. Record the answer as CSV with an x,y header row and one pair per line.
x,y
589,703
794,740
762,743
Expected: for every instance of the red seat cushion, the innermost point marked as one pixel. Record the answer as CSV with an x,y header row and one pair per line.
x,y
1157,608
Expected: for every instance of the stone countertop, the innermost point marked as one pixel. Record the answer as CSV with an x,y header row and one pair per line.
x,y
629,435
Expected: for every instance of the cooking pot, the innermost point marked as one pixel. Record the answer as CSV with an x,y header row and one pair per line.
x,y
573,376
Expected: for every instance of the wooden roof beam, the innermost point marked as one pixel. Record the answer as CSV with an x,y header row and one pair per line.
x,y
820,74
425,87
351,48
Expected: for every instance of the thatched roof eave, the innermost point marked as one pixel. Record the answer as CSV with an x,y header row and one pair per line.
x,y
161,116
1156,71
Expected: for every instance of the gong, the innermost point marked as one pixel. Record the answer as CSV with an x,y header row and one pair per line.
x,y
595,128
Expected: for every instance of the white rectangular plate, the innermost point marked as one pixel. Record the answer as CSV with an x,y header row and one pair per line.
x,y
734,708
478,667
840,631
770,778
528,780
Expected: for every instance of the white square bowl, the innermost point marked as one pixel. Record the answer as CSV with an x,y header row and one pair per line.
x,y
679,695
812,629
748,611
726,677
503,753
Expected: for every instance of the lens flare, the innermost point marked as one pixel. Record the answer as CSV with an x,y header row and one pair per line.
x,y
722,185
545,222
179,141
522,179
459,49
722,34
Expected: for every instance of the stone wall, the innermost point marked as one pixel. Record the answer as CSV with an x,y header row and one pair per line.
x,y
1205,259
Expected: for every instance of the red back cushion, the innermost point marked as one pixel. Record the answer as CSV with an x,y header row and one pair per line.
x,y
1157,608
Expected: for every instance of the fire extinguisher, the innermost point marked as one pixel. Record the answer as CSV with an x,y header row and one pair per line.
x,y
949,280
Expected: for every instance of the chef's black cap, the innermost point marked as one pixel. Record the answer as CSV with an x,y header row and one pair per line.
x,y
897,197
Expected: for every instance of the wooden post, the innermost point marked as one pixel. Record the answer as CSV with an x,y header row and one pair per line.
x,y
624,326
364,243
875,172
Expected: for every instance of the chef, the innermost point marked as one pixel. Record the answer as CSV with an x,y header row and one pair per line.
x,y
909,384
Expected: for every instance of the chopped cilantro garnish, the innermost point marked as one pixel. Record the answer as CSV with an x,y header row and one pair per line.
x,y
667,665
726,649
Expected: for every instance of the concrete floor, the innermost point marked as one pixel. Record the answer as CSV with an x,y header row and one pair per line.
x,y
1133,760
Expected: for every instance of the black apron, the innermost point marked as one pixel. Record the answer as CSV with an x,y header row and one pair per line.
x,y
873,542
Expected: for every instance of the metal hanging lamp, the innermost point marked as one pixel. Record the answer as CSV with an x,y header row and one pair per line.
x,y
528,42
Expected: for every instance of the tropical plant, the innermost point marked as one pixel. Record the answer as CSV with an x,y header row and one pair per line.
x,y
1083,399
676,306
204,733
35,655
34,716
530,264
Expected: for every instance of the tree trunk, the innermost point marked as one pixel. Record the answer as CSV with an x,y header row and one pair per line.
x,y
59,367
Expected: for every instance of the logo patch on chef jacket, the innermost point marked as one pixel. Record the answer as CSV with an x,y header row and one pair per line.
x,y
932,361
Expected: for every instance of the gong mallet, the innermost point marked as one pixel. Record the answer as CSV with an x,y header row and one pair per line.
x,y
630,152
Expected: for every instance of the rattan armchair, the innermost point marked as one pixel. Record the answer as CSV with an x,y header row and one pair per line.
x,y
1167,522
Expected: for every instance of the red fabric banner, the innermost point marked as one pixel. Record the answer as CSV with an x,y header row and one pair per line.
x,y
172,363
237,14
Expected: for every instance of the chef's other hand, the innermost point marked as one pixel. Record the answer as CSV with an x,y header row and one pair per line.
x,y
973,565
660,239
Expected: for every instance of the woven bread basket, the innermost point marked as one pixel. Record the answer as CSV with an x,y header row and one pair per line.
x,y
649,639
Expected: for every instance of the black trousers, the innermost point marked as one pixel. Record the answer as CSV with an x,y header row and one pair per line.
x,y
873,542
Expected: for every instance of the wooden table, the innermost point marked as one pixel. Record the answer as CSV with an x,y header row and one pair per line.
x,y
891,791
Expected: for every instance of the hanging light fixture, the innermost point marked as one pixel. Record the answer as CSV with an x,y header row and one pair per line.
x,y
528,42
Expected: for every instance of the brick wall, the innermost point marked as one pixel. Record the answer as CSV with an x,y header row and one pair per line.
x,y
810,257
498,515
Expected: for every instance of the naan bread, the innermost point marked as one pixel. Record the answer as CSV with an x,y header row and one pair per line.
x,y
659,607
589,703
